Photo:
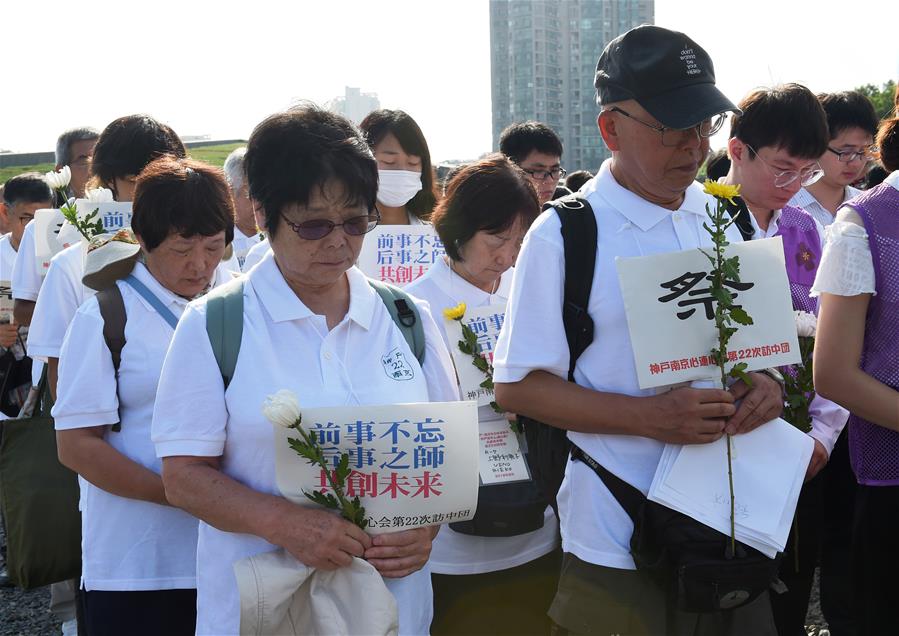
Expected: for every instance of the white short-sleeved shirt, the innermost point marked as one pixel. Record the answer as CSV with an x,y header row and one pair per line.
x,y
256,254
127,544
26,273
243,243
594,527
847,268
60,296
454,552
284,346
7,257
807,201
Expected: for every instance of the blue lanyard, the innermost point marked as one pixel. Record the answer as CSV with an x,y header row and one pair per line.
x,y
147,295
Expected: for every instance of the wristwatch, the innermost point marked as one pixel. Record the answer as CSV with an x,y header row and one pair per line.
x,y
777,376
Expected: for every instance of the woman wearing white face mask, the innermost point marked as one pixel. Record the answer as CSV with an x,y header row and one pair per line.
x,y
405,178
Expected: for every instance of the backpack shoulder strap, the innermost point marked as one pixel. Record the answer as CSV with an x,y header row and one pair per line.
x,y
112,310
579,236
405,314
224,325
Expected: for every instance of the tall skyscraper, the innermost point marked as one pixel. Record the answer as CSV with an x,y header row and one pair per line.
x,y
543,56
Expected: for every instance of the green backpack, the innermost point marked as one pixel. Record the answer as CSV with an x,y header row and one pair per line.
x,y
224,322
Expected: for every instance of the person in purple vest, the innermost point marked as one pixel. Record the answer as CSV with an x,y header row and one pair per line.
x,y
774,145
857,365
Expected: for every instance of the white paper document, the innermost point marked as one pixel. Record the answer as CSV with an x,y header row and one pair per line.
x,y
769,466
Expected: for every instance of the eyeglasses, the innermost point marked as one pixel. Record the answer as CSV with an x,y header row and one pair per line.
x,y
540,175
673,137
848,156
783,178
320,228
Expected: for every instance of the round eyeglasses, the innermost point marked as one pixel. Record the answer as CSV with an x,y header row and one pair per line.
x,y
783,178
316,229
848,156
673,137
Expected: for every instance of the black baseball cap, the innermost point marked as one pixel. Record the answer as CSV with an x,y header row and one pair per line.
x,y
665,71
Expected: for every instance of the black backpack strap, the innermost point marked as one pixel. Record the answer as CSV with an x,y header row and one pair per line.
x,y
112,310
579,236
628,496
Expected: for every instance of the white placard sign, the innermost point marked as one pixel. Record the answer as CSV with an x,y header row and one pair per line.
x,y
486,323
6,301
47,224
52,233
400,254
413,465
501,460
670,313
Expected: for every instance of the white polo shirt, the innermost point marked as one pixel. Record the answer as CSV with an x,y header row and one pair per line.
x,y
284,346
255,254
454,552
594,527
243,243
60,296
26,272
807,201
126,544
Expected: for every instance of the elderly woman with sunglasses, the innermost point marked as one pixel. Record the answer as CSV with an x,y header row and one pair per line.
x,y
311,324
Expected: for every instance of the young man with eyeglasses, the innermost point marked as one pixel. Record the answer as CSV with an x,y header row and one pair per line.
x,y
659,106
537,150
852,123
774,147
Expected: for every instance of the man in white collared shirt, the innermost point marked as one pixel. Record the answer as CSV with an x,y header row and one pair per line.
x,y
852,123
246,234
660,105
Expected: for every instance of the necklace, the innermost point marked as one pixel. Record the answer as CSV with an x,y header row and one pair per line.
x,y
490,294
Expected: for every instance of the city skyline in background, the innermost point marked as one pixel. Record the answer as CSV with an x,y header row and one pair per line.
x,y
217,69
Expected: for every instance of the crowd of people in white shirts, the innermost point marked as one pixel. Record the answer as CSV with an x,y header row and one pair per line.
x,y
175,459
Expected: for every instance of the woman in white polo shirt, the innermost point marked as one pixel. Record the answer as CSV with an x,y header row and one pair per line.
x,y
139,552
496,578
311,324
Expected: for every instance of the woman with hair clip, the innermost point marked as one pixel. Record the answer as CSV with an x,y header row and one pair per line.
x,y
857,366
405,176
138,552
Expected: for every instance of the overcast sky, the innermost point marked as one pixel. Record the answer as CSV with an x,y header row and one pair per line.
x,y
218,68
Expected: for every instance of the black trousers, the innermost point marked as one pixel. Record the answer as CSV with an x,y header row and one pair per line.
x,y
838,494
876,559
152,613
801,556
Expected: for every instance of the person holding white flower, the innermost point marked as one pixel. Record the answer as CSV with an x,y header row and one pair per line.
x,y
312,324
125,147
495,574
405,176
138,552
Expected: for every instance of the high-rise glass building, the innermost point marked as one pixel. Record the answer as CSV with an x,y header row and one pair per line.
x,y
543,57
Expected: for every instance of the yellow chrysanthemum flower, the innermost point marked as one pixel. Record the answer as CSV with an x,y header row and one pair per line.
x,y
721,190
454,313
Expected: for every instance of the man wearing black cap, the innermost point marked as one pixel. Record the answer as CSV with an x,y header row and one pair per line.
x,y
659,107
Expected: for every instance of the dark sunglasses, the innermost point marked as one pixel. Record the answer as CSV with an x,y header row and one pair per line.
x,y
320,228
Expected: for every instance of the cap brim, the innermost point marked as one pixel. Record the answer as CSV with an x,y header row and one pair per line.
x,y
110,267
688,105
